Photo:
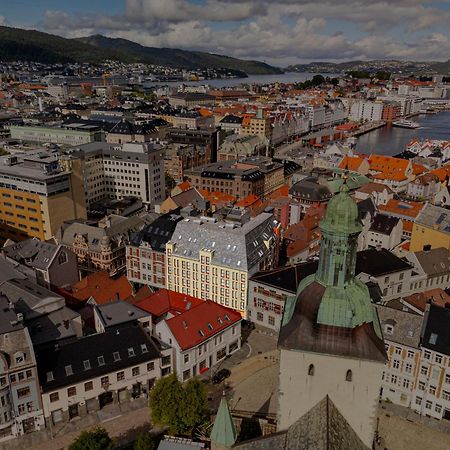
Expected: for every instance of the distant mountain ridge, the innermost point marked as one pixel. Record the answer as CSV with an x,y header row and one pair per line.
x,y
397,66
178,58
32,45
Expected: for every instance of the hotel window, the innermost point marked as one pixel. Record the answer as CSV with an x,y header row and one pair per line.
x,y
438,408
398,351
135,371
120,376
150,366
428,404
418,401
427,354
88,386
408,368
424,370
432,390
438,359
410,354
396,364
446,395
54,397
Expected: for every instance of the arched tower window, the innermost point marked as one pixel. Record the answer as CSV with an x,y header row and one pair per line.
x,y
311,369
349,375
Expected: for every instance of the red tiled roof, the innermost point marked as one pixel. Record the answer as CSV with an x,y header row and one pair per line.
x,y
101,287
163,301
201,322
437,296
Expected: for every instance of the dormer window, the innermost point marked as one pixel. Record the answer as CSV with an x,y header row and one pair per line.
x,y
116,356
19,357
50,376
69,370
62,258
101,360
131,352
349,375
87,364
388,329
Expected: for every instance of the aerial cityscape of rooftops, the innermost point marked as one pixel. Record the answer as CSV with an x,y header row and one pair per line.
x,y
225,225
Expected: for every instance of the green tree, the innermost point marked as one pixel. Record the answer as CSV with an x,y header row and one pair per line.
x,y
95,439
170,182
166,404
145,441
176,406
196,407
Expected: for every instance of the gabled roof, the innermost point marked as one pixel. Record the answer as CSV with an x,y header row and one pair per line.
x,y
384,224
32,252
406,326
164,301
201,322
101,287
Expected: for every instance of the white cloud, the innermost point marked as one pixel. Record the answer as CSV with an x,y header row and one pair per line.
x,y
280,32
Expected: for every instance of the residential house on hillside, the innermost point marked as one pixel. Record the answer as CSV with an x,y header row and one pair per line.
x,y
424,187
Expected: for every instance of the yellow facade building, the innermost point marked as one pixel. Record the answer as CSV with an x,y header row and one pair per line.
x,y
431,229
36,196
214,260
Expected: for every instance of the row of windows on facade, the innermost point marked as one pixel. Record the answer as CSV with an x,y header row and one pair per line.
x,y
104,381
348,374
100,361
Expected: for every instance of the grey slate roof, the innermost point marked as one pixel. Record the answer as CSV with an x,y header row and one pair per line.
x,y
117,234
406,326
32,252
30,299
310,190
321,428
239,247
434,217
118,313
435,261
53,327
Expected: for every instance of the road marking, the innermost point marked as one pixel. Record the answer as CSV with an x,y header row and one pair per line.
x,y
111,418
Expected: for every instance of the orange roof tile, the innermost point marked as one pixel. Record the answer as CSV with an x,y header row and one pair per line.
x,y
404,208
351,162
101,287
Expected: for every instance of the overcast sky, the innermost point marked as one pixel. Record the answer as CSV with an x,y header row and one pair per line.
x,y
278,32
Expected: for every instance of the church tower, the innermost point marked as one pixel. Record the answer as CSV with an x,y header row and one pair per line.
x,y
330,341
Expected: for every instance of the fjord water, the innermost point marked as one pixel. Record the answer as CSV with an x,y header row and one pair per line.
x,y
391,140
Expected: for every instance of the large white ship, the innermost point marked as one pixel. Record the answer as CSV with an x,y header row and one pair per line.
x,y
403,123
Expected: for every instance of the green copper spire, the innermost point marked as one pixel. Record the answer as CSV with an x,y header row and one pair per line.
x,y
346,301
223,434
340,229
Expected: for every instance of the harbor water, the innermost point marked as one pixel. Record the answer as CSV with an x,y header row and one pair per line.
x,y
391,140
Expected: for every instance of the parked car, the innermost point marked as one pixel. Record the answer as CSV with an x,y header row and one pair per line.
x,y
221,375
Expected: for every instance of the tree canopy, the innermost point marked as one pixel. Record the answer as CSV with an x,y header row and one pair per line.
x,y
176,406
95,439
